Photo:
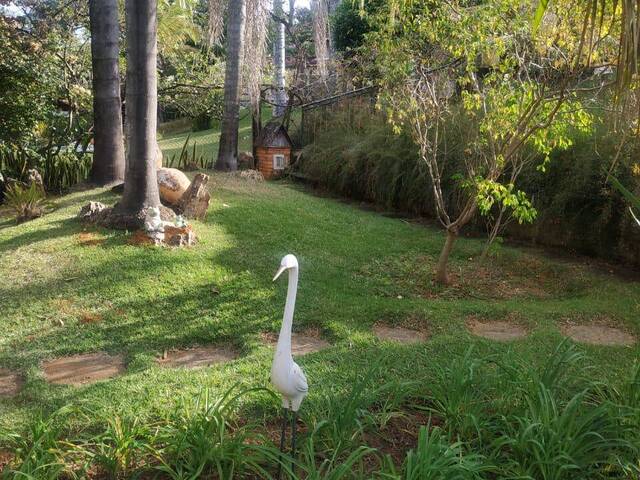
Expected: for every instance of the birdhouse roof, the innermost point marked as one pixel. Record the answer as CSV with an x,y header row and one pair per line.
x,y
273,134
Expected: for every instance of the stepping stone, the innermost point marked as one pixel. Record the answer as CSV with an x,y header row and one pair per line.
x,y
10,383
83,369
598,335
399,334
197,357
498,331
301,343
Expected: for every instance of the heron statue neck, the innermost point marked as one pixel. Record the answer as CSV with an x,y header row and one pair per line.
x,y
284,339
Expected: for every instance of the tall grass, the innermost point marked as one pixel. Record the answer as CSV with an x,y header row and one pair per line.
x,y
491,416
576,207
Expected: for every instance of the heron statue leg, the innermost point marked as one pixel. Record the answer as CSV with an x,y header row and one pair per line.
x,y
282,438
294,428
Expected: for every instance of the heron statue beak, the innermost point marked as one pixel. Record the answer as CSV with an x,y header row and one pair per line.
x,y
279,272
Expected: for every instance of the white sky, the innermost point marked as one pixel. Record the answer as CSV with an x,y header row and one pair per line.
x,y
302,3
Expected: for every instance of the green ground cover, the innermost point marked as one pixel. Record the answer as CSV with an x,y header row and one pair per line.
x,y
206,141
358,269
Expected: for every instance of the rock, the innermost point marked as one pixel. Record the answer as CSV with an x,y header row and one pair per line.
x,y
92,212
252,175
245,161
114,218
33,176
194,203
179,236
172,184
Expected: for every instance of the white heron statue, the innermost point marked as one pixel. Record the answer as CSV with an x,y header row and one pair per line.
x,y
286,376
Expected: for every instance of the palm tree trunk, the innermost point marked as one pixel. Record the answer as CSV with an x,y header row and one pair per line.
x,y
228,148
108,153
141,183
280,97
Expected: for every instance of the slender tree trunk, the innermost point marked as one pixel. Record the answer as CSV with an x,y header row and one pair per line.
x,y
228,148
108,152
441,268
279,56
141,182
492,236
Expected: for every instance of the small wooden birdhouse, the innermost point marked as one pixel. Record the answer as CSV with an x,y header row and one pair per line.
x,y
273,150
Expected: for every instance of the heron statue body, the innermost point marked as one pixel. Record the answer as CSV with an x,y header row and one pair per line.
x,y
286,376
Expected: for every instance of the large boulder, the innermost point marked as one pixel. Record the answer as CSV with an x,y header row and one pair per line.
x,y
172,184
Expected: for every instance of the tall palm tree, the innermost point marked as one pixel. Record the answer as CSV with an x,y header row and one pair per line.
x,y
108,157
141,184
228,148
280,96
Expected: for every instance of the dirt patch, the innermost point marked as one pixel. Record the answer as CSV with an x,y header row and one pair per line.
x,y
83,369
399,434
500,331
302,343
90,239
523,276
139,238
90,317
6,458
399,334
10,384
197,357
598,335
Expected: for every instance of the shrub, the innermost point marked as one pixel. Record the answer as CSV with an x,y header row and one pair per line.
x,y
59,169
364,159
27,203
37,453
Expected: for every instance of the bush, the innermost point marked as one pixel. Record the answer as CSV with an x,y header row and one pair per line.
x,y
60,169
27,203
363,159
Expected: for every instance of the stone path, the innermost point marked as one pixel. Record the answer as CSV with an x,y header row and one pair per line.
x,y
83,369
301,343
598,335
10,383
197,357
92,367
399,334
496,330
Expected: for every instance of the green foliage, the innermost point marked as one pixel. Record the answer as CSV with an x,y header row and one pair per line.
x,y
200,440
25,84
118,450
27,203
490,193
188,159
434,458
548,422
365,160
38,452
349,26
60,169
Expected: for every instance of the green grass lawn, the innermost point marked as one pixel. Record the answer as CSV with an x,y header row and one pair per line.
x,y
357,269
207,140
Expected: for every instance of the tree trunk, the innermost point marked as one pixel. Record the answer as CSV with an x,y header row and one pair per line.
x,y
228,148
280,97
441,269
108,152
141,181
